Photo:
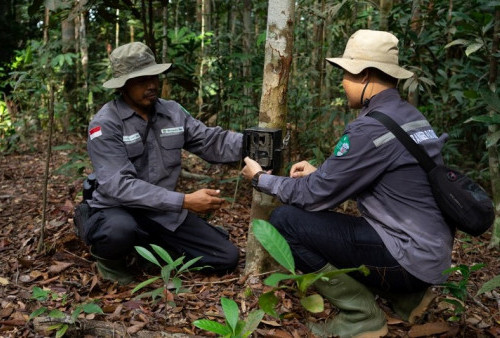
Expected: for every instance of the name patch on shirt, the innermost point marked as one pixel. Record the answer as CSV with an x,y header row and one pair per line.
x,y
171,131
128,139
424,135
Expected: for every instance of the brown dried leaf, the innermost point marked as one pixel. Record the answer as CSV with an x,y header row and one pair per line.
x,y
429,329
58,267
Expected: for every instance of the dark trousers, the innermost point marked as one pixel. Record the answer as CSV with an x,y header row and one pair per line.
x,y
344,241
112,234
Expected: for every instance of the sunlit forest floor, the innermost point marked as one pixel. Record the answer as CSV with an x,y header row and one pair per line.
x,y
65,267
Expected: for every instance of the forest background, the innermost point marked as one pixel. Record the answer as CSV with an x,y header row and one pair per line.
x,y
55,58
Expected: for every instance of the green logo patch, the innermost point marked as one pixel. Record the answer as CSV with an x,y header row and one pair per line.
x,y
342,146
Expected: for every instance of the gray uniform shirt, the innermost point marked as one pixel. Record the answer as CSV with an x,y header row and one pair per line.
x,y
137,173
391,189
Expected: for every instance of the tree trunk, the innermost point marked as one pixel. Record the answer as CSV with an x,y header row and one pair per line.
x,y
273,111
203,7
385,10
166,88
247,49
317,57
84,50
415,24
493,155
69,82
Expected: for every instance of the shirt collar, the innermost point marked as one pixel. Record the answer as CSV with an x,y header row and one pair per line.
x,y
379,100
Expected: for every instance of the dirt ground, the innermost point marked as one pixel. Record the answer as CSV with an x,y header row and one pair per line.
x,y
65,267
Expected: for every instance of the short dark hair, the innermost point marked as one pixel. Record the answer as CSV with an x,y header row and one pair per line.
x,y
383,76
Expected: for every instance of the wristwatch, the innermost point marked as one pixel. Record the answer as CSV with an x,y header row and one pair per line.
x,y
255,179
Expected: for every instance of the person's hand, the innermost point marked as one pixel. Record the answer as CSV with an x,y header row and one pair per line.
x,y
301,169
203,200
251,168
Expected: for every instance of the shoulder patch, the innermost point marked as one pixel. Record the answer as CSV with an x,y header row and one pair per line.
x,y
342,146
95,132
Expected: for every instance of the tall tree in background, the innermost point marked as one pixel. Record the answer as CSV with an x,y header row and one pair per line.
x,y
273,110
69,82
494,132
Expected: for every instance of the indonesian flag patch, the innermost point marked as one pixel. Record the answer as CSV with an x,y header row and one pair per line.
x,y
95,132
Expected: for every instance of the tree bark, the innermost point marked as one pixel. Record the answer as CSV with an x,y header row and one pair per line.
x,y
247,49
415,24
273,111
166,88
493,155
385,10
70,80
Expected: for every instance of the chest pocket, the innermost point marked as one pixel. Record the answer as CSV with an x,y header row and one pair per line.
x,y
136,155
171,147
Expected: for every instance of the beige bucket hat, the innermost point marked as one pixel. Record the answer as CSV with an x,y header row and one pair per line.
x,y
369,48
133,60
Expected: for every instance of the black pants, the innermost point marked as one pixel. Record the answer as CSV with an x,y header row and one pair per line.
x,y
113,233
345,241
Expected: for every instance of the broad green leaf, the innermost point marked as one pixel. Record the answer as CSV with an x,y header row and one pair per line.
x,y
92,308
489,285
39,294
253,320
307,280
313,303
274,243
189,263
473,47
492,99
457,42
275,278
267,302
177,282
231,312
145,283
493,139
162,253
212,326
76,313
62,330
166,272
147,255
56,314
38,312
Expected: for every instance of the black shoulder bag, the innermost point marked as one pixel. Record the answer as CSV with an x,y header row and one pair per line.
x,y
463,203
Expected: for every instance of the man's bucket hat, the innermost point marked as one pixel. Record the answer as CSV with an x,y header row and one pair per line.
x,y
133,60
369,48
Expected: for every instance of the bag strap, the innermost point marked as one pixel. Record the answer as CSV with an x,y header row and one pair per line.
x,y
414,148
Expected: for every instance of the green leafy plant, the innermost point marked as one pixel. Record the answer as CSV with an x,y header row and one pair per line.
x,y
458,290
279,249
234,327
66,320
170,272
490,285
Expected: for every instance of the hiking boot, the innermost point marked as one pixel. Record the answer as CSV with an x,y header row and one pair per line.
x,y
114,270
359,315
411,306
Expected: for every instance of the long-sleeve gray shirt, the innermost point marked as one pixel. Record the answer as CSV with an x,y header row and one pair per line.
x,y
137,173
391,189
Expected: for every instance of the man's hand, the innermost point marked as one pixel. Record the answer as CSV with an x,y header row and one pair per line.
x,y
251,168
203,200
301,169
